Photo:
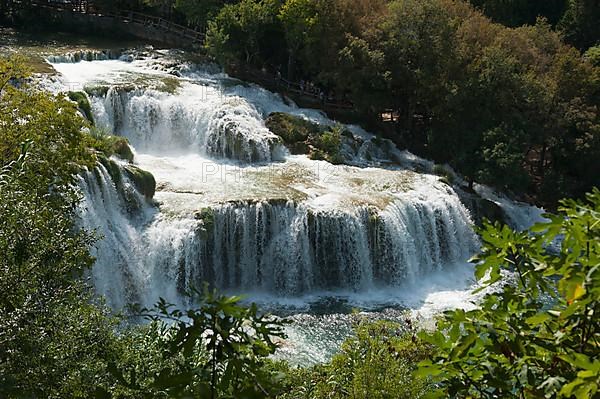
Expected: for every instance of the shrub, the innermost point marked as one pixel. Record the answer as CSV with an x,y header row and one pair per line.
x,y
83,103
537,337
377,362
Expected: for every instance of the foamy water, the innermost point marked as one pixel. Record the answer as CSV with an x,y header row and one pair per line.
x,y
235,209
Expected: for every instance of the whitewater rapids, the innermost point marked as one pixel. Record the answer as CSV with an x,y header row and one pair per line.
x,y
233,208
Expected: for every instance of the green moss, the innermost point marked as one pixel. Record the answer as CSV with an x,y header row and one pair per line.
x,y
170,85
110,145
328,145
447,176
293,130
144,181
96,91
207,217
305,137
83,103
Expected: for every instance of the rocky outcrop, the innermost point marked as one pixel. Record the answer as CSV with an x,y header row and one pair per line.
x,y
304,137
481,208
83,104
143,181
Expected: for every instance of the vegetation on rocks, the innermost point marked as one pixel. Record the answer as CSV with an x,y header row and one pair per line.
x,y
539,335
512,106
305,137
83,104
144,181
110,145
377,362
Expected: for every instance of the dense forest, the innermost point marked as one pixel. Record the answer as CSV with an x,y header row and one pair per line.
x,y
506,92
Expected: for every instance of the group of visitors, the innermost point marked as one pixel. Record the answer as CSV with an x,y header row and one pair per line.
x,y
307,87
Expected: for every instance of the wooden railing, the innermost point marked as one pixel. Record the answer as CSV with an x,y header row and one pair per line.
x,y
275,82
158,23
86,7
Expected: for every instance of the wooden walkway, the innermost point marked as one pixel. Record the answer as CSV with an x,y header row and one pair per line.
x,y
144,20
195,38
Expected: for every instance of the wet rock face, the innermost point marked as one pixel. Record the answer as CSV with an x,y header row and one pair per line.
x,y
230,140
143,181
481,208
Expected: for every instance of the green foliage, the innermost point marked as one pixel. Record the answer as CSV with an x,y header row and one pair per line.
x,y
328,145
580,23
12,69
52,339
218,349
110,145
377,363
593,55
539,336
521,12
83,103
515,108
294,131
198,12
236,32
305,137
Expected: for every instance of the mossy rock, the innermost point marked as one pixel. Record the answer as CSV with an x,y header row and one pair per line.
x,y
305,137
96,91
328,145
119,146
83,103
207,217
293,130
110,145
142,180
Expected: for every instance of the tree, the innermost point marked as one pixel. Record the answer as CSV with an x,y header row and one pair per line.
x,y
538,336
53,339
236,33
217,349
376,362
580,23
198,12
521,12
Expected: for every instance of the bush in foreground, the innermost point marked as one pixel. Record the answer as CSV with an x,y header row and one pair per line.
x,y
539,337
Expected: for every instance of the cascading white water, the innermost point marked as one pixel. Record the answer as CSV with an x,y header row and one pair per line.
x,y
85,55
287,228
291,249
198,118
279,247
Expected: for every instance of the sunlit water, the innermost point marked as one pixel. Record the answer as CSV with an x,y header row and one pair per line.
x,y
303,238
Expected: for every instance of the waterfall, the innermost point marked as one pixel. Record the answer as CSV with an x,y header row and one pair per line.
x,y
198,120
234,209
291,249
86,55
277,247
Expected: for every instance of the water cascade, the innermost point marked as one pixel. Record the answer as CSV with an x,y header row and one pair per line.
x,y
226,127
86,55
234,209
